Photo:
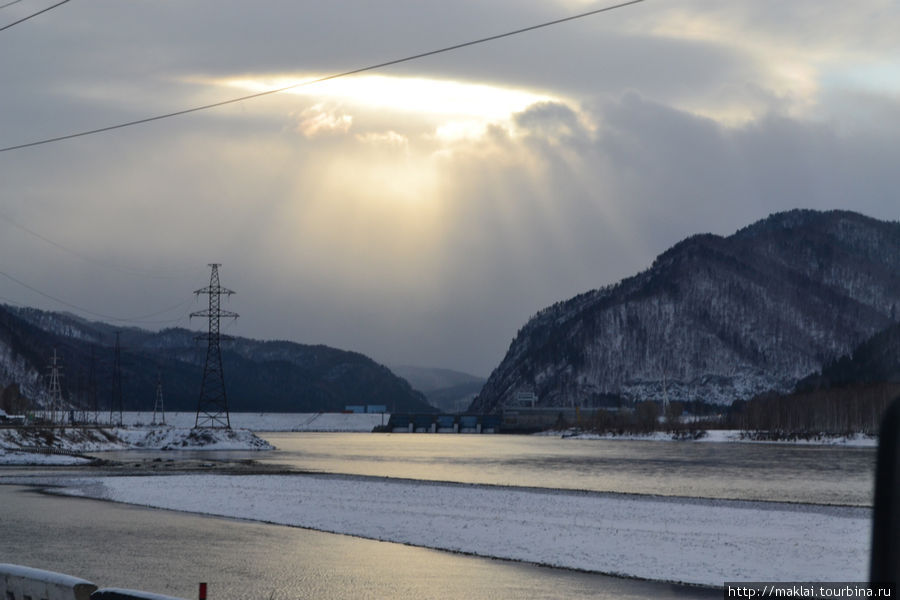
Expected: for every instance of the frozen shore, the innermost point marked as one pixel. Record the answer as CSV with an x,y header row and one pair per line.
x,y
669,539
719,436
138,433
52,446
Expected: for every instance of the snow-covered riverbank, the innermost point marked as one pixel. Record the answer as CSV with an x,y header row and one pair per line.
x,y
54,446
720,436
671,539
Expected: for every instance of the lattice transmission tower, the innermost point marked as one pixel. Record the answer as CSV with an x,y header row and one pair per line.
x,y
54,396
92,391
159,411
116,403
212,409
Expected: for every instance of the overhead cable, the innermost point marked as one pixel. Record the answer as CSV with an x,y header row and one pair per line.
x,y
319,80
9,3
136,319
137,271
31,16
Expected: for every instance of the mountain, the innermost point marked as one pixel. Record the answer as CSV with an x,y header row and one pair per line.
x,y
877,360
714,318
273,376
448,390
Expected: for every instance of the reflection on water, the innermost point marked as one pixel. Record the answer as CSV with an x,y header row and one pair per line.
x,y
170,553
812,474
773,472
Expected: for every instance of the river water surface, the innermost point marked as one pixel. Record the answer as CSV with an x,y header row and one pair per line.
x,y
169,552
811,474
772,472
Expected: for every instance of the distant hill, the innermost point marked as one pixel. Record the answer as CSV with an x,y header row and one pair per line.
x,y
877,360
448,390
259,375
714,318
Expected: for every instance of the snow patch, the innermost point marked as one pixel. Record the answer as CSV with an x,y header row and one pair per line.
x,y
717,436
51,446
670,539
195,439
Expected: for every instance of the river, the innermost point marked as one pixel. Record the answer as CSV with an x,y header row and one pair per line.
x,y
809,474
169,552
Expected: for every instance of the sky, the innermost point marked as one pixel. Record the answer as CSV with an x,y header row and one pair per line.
x,y
422,212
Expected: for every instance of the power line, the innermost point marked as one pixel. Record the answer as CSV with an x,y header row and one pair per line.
x,y
319,80
137,319
99,262
31,16
2,6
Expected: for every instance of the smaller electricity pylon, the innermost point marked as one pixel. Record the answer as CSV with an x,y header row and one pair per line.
x,y
158,408
54,395
116,407
212,408
92,391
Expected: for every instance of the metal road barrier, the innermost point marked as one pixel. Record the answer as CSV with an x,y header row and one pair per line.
x,y
123,594
24,583
21,583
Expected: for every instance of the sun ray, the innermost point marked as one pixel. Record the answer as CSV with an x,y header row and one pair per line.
x,y
413,94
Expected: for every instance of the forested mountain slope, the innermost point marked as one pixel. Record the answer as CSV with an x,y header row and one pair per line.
x,y
259,375
714,318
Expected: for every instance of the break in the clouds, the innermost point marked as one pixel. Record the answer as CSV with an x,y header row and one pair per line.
x,y
421,213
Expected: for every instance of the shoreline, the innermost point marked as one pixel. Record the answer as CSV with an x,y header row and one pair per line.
x,y
57,492
678,540
716,436
247,568
242,467
18,446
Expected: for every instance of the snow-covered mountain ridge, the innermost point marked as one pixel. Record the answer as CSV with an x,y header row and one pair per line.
x,y
714,318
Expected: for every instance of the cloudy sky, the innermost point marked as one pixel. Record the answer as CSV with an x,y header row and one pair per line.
x,y
422,212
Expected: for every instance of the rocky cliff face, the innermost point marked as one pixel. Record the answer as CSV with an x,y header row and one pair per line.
x,y
714,319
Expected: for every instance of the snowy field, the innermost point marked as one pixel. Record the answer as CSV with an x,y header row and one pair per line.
x,y
13,457
670,539
25,446
176,434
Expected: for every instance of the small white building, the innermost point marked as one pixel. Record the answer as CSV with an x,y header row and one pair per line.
x,y
528,399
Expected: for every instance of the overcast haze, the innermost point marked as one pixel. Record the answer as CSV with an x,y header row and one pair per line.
x,y
421,213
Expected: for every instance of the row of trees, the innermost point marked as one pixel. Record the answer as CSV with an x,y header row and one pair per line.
x,y
833,411
830,412
641,418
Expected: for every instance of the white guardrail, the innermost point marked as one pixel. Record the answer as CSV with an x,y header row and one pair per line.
x,y
24,583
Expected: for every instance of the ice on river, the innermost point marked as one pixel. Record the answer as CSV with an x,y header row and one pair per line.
x,y
671,539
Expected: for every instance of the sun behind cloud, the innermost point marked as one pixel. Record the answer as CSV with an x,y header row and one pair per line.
x,y
422,95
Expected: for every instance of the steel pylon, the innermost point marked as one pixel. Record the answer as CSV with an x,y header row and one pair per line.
x,y
159,411
212,408
55,399
116,404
